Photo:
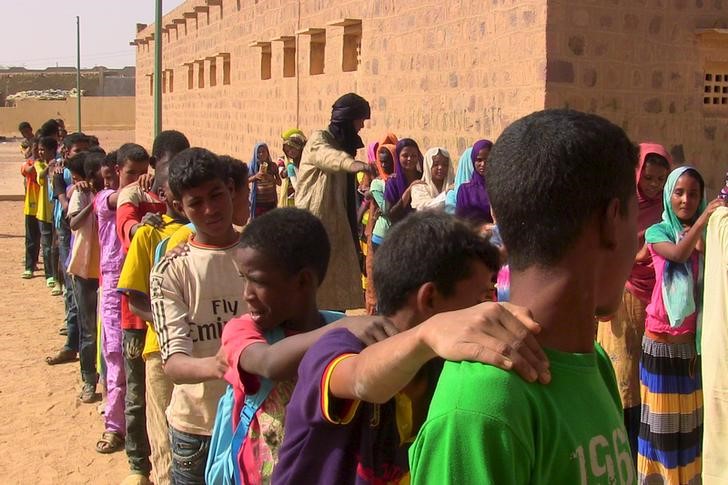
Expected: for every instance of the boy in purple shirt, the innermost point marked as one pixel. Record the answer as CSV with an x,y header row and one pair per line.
x,y
112,260
355,410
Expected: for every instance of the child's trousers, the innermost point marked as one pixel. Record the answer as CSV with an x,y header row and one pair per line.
x,y
86,292
112,352
32,242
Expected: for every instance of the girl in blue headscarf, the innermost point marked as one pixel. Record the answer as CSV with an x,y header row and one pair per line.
x,y
671,419
263,197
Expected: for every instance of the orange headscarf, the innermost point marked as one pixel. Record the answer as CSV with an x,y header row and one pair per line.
x,y
389,142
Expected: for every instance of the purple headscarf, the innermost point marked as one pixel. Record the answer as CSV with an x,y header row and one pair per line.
x,y
473,202
397,184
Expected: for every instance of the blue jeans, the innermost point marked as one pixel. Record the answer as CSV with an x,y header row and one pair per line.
x,y
189,457
64,249
46,242
86,292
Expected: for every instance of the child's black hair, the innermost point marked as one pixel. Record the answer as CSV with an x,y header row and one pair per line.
x,y
169,142
237,171
49,128
132,152
76,163
75,138
110,160
96,149
658,160
427,246
293,238
48,143
193,167
549,173
92,164
24,125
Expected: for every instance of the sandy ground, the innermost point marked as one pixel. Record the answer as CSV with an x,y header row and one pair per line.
x,y
46,435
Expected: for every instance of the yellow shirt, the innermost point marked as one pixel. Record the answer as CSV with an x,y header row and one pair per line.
x,y
138,266
182,235
45,211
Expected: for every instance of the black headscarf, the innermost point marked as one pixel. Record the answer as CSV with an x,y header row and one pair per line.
x,y
346,109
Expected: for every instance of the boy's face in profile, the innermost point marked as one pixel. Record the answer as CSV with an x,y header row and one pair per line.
x,y
75,149
109,177
271,293
26,132
130,171
619,262
209,207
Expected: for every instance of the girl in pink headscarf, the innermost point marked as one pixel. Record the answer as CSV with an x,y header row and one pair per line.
x,y
621,337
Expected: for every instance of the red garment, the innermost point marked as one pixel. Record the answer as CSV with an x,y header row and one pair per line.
x,y
642,279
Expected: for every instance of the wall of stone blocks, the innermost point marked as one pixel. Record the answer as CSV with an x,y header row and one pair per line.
x,y
641,63
443,72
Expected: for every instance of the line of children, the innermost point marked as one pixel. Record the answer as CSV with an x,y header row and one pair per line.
x,y
343,402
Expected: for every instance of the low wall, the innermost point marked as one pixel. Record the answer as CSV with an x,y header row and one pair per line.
x,y
97,113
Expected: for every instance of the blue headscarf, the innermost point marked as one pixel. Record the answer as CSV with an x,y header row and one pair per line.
x,y
254,166
678,288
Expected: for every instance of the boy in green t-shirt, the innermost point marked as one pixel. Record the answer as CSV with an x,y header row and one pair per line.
x,y
562,185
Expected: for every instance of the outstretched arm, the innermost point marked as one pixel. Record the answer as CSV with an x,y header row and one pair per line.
x,y
496,334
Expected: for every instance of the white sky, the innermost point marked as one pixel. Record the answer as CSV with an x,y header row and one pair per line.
x,y
42,33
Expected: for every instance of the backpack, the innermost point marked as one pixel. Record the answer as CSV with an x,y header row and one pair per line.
x,y
225,444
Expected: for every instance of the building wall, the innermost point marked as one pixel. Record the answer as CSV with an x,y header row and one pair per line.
x,y
443,72
97,113
95,82
642,64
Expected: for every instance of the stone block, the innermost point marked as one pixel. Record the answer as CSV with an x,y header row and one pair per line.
x,y
558,71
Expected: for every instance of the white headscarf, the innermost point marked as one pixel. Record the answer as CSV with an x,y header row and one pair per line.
x,y
427,195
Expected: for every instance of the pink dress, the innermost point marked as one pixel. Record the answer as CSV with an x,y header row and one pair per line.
x,y
657,320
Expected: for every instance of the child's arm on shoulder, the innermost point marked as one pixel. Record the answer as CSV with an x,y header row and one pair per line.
x,y
185,369
140,305
280,361
491,333
680,252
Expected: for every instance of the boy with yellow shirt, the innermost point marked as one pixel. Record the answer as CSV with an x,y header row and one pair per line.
x,y
47,147
134,283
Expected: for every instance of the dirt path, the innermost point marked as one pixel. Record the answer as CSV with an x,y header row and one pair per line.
x,y
46,435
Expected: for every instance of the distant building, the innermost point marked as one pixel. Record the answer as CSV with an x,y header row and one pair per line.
x,y
97,81
445,72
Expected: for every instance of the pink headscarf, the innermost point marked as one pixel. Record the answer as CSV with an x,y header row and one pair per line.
x,y
642,279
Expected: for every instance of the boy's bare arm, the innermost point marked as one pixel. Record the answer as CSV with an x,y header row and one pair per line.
x,y
490,333
280,361
184,369
76,219
140,305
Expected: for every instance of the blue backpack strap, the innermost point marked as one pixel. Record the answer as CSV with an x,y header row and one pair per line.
x,y
252,405
161,250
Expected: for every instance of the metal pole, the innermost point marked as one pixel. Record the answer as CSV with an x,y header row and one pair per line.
x,y
157,69
78,72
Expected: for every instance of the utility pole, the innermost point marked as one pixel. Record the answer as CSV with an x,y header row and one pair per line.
x,y
78,73
157,69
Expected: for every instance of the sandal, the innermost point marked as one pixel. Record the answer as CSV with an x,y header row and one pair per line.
x,y
110,442
63,331
88,394
61,357
57,291
27,274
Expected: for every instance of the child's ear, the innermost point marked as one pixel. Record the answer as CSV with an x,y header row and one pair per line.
x,y
609,224
425,299
178,206
307,279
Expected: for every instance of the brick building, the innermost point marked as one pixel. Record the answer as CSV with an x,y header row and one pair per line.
x,y
443,72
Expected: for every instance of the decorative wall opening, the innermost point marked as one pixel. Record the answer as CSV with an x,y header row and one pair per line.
x,y
317,59
289,57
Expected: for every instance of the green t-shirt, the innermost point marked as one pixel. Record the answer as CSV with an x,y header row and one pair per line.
x,y
488,426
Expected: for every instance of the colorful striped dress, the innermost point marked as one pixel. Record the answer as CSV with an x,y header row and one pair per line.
x,y
671,428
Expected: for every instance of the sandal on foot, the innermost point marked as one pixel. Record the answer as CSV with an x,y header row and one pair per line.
x,y
56,291
110,442
88,394
63,330
51,282
61,357
27,274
